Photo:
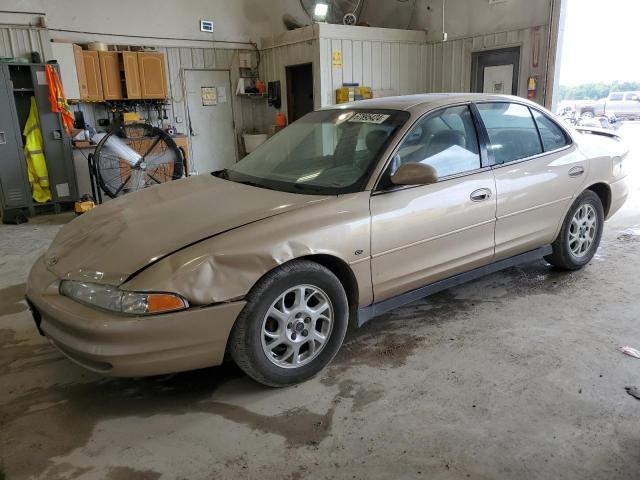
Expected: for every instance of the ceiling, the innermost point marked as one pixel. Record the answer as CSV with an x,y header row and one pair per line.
x,y
376,13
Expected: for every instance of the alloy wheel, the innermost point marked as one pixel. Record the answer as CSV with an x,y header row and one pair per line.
x,y
297,326
583,230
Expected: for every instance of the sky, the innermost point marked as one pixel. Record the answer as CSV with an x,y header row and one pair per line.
x,y
601,41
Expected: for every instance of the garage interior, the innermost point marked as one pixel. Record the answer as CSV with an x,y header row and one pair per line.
x,y
516,375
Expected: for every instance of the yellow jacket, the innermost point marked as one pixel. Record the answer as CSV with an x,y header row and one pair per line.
x,y
36,164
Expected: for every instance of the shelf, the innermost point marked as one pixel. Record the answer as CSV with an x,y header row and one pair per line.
x,y
252,95
23,89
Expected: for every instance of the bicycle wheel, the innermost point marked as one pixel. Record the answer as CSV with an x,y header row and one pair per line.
x,y
134,157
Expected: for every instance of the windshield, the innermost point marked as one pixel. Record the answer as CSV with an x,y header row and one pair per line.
x,y
326,152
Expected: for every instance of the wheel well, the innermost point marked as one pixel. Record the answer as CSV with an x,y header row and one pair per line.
x,y
344,273
604,192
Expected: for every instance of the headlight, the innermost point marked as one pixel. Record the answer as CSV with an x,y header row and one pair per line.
x,y
116,300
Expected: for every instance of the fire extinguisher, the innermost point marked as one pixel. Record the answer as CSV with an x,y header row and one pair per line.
x,y
532,88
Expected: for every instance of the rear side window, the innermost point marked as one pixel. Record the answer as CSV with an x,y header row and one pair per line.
x,y
553,137
512,131
632,96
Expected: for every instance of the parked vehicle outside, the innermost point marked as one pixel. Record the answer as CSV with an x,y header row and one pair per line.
x,y
345,214
625,105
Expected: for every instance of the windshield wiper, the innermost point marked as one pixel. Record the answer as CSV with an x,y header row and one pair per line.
x,y
253,184
224,174
308,188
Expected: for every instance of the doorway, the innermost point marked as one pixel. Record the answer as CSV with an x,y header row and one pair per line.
x,y
299,90
496,71
210,120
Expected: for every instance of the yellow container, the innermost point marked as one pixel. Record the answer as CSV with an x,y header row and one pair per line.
x,y
344,95
350,94
131,117
363,93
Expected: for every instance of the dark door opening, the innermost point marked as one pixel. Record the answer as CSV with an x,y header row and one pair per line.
x,y
299,91
496,71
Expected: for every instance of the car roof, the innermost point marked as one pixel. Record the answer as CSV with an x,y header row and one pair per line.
x,y
424,101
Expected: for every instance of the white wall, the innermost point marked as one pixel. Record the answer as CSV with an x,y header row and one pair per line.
x,y
463,18
290,48
234,20
450,63
393,61
244,20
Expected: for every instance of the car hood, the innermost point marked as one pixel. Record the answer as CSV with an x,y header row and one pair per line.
x,y
122,236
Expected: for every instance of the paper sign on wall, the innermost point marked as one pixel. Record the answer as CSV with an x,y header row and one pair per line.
x,y
222,95
209,96
336,59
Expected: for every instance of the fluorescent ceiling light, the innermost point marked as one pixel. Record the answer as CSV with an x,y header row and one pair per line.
x,y
321,10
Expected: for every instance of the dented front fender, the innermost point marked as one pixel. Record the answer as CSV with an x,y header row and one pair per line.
x,y
227,266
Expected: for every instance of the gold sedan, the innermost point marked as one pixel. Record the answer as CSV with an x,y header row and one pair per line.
x,y
345,214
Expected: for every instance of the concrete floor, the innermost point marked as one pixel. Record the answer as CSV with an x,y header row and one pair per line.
x,y
513,376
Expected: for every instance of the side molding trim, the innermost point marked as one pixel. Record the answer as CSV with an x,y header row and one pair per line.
x,y
367,313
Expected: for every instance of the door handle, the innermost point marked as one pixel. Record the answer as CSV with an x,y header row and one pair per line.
x,y
3,138
576,172
480,195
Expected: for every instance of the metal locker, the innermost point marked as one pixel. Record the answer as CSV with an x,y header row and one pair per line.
x,y
57,144
18,83
15,191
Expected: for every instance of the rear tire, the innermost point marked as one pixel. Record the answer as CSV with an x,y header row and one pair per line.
x,y
580,234
293,324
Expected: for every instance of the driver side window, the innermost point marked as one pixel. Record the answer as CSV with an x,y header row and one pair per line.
x,y
446,140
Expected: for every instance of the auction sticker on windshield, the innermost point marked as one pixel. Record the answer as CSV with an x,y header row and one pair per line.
x,y
369,118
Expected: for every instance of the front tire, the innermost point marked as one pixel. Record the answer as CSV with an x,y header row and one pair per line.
x,y
580,234
293,324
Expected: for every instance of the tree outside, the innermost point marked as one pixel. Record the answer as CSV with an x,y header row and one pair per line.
x,y
595,91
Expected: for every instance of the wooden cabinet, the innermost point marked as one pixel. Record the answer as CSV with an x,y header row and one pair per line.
x,y
81,72
110,74
93,77
131,75
153,81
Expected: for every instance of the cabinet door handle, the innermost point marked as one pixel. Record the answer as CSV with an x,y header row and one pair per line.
x,y
3,138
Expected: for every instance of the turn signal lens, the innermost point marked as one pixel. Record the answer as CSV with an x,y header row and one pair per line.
x,y
112,298
163,302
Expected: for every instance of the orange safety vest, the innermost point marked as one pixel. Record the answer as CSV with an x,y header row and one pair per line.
x,y
58,99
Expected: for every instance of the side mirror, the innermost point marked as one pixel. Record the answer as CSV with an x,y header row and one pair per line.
x,y
414,174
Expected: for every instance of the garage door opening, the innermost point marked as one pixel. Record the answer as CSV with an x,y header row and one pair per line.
x,y
598,78
299,90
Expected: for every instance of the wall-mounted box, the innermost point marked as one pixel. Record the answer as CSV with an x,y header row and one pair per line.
x,y
206,26
245,60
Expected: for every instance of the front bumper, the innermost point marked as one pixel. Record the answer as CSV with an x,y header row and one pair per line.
x,y
128,346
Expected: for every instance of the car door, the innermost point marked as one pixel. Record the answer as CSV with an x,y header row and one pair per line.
x,y
425,233
537,172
